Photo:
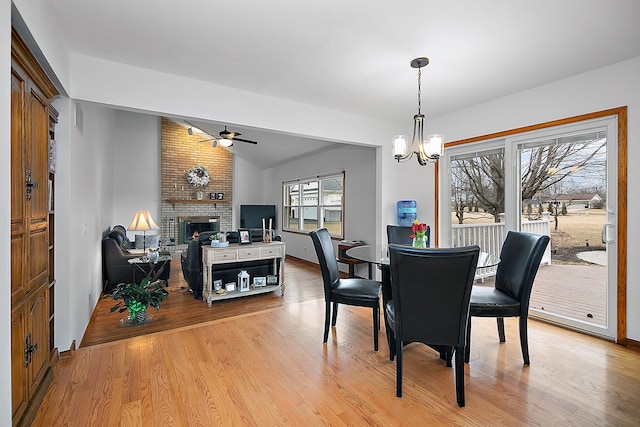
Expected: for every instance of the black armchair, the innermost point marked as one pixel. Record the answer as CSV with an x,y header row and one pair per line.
x,y
352,291
519,261
431,293
400,235
116,261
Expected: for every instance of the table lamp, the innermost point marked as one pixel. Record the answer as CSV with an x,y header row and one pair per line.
x,y
142,221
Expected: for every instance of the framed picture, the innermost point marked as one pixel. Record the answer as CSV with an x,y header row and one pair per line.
x,y
217,285
230,287
259,282
272,279
219,196
212,196
244,237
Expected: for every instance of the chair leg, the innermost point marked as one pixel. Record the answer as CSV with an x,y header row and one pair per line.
x,y
524,341
459,376
467,347
398,368
335,314
376,326
327,317
501,335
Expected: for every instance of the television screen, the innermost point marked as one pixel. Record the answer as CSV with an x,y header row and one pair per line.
x,y
251,216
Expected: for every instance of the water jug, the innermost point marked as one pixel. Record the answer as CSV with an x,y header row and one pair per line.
x,y
406,212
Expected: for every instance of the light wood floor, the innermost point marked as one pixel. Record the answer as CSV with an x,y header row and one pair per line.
x,y
270,368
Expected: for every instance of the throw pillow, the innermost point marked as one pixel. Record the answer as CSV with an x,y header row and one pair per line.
x,y
152,241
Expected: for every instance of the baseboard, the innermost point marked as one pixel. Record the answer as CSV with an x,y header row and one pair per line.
x,y
69,353
633,344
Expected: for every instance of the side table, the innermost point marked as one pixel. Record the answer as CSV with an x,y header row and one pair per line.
x,y
154,268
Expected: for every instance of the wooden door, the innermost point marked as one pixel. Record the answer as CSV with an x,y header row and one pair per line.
x,y
30,345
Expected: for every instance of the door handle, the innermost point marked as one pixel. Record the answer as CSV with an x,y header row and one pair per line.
x,y
605,233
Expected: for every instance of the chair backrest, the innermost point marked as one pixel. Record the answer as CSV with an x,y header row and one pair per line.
x,y
519,261
400,235
431,293
326,258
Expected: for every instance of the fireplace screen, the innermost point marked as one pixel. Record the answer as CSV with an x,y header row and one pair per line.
x,y
188,225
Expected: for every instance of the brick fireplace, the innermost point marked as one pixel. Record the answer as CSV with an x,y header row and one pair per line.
x,y
180,151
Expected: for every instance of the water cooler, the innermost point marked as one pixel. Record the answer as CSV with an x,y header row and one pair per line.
x,y
406,212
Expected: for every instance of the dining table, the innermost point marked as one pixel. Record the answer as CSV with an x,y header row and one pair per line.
x,y
379,255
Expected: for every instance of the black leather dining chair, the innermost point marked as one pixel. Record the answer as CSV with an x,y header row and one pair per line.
x,y
431,293
337,290
400,235
519,261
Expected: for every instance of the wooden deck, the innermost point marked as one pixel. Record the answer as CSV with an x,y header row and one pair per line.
x,y
574,291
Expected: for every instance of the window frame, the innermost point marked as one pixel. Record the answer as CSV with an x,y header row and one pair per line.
x,y
306,204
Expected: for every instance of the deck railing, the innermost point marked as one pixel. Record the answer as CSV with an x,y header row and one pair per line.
x,y
489,236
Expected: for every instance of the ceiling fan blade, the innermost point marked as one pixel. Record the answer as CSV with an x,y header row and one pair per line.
x,y
245,140
209,139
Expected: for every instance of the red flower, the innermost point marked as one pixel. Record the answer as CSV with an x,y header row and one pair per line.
x,y
418,228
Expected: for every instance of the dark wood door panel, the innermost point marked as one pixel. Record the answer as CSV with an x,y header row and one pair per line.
x,y
18,276
19,392
38,258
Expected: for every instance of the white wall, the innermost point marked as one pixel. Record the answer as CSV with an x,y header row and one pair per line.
x,y
84,208
137,165
359,164
5,214
248,188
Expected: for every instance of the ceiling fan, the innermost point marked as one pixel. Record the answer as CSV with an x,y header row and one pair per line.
x,y
227,138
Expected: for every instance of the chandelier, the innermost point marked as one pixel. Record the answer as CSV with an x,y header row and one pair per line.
x,y
427,149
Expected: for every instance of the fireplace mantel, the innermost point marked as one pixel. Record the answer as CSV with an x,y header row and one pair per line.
x,y
183,201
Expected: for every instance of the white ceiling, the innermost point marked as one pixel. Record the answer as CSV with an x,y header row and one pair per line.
x,y
354,55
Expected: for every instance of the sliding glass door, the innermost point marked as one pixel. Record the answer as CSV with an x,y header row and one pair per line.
x,y
559,181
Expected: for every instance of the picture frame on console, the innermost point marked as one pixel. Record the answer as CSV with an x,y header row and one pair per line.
x,y
244,236
259,282
272,279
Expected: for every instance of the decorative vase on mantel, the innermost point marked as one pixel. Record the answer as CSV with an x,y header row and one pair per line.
x,y
199,195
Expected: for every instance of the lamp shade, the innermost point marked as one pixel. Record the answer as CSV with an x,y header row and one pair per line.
x,y
399,146
142,221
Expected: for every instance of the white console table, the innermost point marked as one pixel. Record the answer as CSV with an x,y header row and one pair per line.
x,y
239,253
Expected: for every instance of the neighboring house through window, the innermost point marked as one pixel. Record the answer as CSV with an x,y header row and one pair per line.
x,y
312,203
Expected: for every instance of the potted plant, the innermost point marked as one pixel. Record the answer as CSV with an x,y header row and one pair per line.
x,y
137,297
218,240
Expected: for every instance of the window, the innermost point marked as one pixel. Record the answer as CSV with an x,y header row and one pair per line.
x,y
314,203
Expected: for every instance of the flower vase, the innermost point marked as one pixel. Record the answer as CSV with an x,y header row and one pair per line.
x,y
140,316
420,241
152,256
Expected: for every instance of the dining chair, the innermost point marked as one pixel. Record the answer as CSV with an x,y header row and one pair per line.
x,y
431,293
337,290
400,235
519,261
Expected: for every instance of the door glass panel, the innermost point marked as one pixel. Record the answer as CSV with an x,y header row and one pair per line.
x,y
564,183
